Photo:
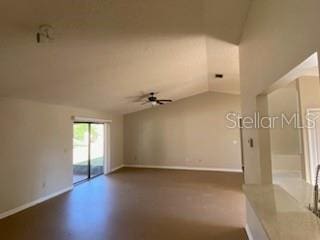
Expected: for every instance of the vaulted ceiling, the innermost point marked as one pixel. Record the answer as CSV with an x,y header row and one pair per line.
x,y
107,52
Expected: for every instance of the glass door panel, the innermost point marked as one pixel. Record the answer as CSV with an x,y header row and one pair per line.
x,y
81,150
97,149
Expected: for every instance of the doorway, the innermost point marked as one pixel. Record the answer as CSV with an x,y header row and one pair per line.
x,y
88,150
314,142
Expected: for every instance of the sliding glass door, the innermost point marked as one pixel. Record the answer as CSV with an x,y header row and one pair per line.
x,y
88,150
97,149
80,152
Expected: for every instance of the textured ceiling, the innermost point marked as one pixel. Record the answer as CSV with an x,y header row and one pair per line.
x,y
107,52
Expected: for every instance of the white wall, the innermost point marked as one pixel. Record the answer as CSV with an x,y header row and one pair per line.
x,y
309,97
278,36
187,133
285,140
36,149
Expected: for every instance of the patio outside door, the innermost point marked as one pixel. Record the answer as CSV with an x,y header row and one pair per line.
x,y
88,150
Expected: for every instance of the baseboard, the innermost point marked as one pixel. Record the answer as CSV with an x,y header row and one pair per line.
x,y
116,169
33,203
184,168
248,231
286,171
177,168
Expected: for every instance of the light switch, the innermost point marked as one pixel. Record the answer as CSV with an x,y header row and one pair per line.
x,y
250,141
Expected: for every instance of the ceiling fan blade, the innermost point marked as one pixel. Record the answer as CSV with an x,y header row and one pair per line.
x,y
141,97
159,102
165,100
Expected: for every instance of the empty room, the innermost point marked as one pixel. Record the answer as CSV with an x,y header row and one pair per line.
x,y
159,120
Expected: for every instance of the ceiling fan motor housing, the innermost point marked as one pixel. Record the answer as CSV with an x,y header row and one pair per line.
x,y
152,99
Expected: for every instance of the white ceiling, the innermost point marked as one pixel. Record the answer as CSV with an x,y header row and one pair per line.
x,y
107,52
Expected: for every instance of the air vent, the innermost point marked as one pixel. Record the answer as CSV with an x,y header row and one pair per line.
x,y
219,75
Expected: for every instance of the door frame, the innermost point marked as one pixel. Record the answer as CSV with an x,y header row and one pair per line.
x,y
107,148
313,155
107,142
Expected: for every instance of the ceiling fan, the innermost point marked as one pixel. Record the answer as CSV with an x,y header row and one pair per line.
x,y
151,98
